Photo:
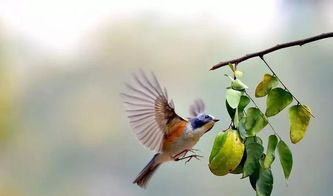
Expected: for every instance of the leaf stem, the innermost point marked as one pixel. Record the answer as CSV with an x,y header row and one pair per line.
x,y
285,87
263,116
231,124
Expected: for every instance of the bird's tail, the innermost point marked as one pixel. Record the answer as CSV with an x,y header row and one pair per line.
x,y
145,175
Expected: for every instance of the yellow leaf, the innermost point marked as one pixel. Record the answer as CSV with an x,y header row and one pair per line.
x,y
266,85
299,118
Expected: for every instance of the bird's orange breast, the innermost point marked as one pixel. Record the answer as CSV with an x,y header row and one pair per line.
x,y
174,133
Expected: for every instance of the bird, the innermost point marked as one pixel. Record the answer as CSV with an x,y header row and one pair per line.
x,y
156,125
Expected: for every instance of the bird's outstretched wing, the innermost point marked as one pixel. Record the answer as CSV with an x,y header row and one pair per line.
x,y
197,107
150,113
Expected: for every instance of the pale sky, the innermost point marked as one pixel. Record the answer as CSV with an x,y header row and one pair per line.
x,y
59,24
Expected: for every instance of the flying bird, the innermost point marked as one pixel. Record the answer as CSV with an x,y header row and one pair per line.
x,y
157,126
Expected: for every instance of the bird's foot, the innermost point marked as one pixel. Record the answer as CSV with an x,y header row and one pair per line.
x,y
197,157
189,158
183,153
193,150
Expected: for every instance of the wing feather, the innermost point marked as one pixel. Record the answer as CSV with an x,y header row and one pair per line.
x,y
140,91
150,114
197,107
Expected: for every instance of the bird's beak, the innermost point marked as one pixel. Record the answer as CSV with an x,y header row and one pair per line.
x,y
216,120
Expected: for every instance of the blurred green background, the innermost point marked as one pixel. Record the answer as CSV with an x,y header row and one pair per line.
x,y
63,64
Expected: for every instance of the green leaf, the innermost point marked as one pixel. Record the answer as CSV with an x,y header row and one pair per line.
x,y
299,118
266,85
241,129
255,121
238,74
236,119
233,97
253,154
254,139
286,158
254,177
230,110
264,184
277,100
238,85
232,67
244,101
230,78
270,155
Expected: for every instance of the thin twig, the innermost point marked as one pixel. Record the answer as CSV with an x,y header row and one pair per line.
x,y
262,114
231,124
262,58
298,102
272,49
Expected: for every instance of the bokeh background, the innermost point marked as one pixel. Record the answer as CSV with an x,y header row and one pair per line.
x,y
63,129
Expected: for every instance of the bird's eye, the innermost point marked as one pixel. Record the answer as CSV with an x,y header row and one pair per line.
x,y
206,116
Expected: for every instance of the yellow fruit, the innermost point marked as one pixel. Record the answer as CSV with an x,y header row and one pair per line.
x,y
227,152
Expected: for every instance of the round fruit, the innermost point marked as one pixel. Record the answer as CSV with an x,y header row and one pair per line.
x,y
227,152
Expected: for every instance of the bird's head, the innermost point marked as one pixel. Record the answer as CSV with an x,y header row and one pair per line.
x,y
203,121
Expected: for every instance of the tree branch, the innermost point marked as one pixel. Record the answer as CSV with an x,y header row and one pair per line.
x,y
272,49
